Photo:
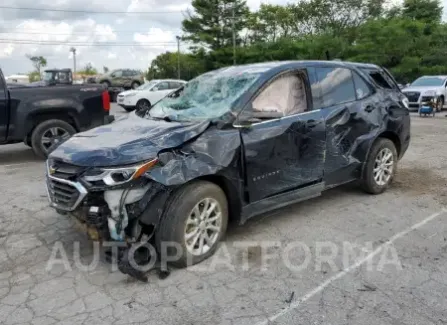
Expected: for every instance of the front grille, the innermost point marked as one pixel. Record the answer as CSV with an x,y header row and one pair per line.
x,y
64,170
63,195
413,97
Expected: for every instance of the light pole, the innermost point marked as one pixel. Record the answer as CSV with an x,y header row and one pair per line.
x,y
73,50
178,56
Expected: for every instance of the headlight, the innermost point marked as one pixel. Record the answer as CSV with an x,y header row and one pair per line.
x,y
117,176
429,93
406,102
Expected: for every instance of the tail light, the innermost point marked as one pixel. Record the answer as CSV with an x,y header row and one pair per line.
x,y
106,100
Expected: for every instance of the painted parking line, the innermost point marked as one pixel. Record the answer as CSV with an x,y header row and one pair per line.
x,y
354,266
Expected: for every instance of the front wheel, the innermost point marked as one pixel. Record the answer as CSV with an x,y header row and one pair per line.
x,y
48,135
195,221
380,167
143,104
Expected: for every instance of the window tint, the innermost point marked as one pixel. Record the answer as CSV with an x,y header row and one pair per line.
x,y
284,96
361,87
336,85
127,73
118,73
163,85
315,88
174,85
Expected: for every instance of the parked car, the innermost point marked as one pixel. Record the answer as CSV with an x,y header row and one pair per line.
x,y
44,116
147,94
426,88
125,78
229,145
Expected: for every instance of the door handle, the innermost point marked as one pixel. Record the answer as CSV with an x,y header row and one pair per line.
x,y
311,123
369,108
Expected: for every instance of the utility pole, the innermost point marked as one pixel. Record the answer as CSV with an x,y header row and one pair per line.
x,y
73,50
178,56
234,34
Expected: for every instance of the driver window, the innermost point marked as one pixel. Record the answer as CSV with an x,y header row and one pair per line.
x,y
117,74
284,96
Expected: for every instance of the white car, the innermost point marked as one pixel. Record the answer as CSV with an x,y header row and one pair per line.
x,y
147,94
426,88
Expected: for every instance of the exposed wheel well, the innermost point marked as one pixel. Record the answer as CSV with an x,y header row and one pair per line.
x,y
393,137
234,202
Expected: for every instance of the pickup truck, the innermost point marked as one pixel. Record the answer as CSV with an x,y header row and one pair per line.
x,y
45,116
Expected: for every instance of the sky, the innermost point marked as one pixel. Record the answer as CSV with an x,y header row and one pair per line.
x,y
137,37
134,37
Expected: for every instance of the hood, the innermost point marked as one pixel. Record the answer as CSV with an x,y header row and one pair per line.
x,y
129,140
420,89
128,92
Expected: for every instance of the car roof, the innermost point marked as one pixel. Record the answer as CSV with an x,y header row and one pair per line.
x,y
278,66
435,76
174,80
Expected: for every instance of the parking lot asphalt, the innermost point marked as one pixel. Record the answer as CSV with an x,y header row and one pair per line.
x,y
399,275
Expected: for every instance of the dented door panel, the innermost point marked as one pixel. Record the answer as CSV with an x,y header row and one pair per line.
x,y
284,154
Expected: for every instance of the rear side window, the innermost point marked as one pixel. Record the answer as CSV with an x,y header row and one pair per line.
x,y
174,85
362,89
337,85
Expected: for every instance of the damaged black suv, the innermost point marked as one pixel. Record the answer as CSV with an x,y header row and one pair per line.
x,y
229,145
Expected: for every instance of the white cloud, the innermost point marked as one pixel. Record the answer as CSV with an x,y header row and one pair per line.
x,y
137,37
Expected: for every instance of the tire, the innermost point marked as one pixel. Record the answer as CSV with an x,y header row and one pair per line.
x,y
369,184
173,226
440,104
129,108
45,129
106,84
143,104
135,84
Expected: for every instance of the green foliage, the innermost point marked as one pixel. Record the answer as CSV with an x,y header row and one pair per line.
x,y
88,70
34,76
409,39
38,63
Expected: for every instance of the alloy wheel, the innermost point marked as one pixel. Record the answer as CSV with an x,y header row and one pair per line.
x,y
383,167
203,226
53,137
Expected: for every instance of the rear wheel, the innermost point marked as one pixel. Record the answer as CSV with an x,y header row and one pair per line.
x,y
135,84
48,135
143,104
380,167
196,221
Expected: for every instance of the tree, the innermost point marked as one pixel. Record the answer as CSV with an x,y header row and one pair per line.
x,y
105,69
165,66
88,70
429,11
34,76
38,63
211,23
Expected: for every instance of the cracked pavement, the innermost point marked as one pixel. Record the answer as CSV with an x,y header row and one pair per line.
x,y
415,292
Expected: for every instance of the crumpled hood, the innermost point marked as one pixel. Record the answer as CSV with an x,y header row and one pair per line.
x,y
126,141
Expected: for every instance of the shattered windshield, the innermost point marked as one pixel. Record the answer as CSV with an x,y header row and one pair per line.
x,y
208,96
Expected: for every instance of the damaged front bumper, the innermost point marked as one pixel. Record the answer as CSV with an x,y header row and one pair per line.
x,y
128,213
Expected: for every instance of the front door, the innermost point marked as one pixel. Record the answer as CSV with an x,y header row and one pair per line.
x,y
3,109
284,147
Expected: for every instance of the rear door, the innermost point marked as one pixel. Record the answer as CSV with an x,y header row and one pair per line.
x,y
3,109
349,109
285,143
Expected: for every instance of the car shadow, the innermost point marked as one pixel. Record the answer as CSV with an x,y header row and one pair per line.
x,y
17,154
